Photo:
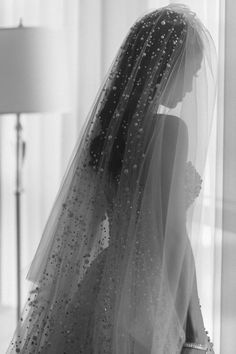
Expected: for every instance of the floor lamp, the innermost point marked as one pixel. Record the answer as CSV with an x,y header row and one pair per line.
x,y
33,79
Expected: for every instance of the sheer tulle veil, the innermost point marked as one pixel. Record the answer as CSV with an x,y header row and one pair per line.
x,y
139,160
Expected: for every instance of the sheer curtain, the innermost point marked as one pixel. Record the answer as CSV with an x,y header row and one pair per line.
x,y
49,142
95,30
228,320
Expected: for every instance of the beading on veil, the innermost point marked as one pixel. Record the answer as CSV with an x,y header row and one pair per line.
x,y
114,271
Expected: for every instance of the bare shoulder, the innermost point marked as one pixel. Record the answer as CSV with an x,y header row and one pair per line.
x,y
174,129
171,120
173,125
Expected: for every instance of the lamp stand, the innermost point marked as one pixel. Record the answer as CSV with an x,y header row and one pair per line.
x,y
20,153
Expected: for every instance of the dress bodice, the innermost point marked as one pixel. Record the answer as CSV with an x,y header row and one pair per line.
x,y
192,186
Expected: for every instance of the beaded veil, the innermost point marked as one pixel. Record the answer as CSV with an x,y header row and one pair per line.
x,y
106,275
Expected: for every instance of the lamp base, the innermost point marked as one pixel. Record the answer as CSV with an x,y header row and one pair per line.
x,y
20,154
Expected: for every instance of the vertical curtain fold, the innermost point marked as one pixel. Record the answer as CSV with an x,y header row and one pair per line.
x,y
228,289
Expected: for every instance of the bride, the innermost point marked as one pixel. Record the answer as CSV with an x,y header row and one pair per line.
x,y
114,272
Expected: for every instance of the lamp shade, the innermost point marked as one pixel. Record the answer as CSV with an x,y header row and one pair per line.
x,y
33,70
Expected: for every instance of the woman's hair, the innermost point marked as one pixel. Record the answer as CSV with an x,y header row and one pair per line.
x,y
152,28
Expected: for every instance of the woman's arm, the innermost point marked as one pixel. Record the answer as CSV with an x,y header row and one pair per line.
x,y
195,330
174,157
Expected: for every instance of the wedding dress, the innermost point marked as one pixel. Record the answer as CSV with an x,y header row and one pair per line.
x,y
108,273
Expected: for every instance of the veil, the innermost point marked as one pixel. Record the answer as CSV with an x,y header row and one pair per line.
x,y
129,201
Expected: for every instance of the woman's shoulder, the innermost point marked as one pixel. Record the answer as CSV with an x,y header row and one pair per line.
x,y
171,119
172,124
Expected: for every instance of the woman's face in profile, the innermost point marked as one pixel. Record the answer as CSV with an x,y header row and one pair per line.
x,y
180,82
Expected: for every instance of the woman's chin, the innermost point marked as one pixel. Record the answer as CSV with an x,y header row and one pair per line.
x,y
171,104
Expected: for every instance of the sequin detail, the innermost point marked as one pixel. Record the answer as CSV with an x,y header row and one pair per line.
x,y
193,183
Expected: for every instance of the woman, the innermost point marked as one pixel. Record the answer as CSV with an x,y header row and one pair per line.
x,y
114,271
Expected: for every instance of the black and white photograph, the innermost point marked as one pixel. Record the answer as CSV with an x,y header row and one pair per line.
x,y
117,176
